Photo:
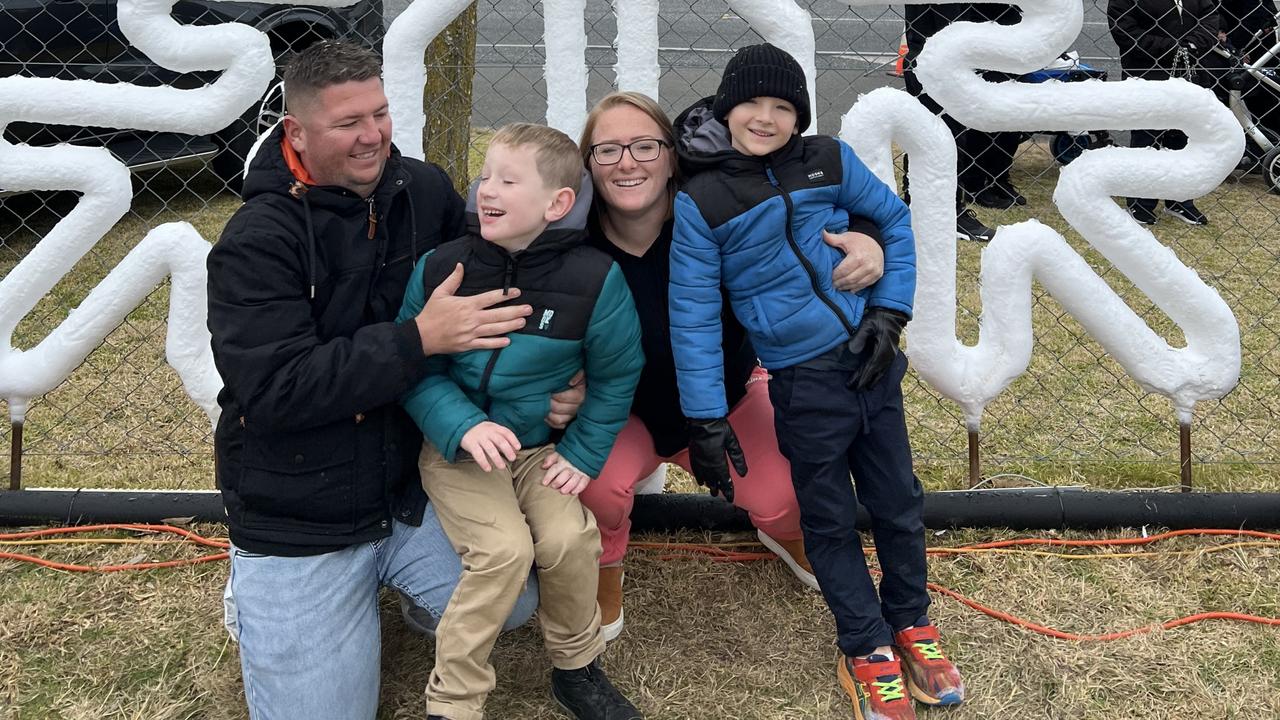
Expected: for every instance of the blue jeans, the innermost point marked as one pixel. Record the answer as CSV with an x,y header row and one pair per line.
x,y
310,643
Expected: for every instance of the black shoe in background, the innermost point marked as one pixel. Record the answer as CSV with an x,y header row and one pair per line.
x,y
996,198
969,227
1186,211
1142,213
587,694
1008,189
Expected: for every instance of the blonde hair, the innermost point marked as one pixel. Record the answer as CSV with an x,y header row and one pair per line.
x,y
557,156
644,104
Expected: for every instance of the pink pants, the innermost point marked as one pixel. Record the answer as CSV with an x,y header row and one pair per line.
x,y
765,493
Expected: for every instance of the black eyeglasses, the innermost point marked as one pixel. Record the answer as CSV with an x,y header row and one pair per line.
x,y
646,150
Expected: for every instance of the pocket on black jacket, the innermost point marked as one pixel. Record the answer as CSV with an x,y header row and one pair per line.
x,y
301,481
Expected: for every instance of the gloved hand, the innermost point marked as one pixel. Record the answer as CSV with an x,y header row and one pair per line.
x,y
709,442
876,337
1199,39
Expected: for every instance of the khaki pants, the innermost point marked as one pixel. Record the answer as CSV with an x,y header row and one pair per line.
x,y
499,523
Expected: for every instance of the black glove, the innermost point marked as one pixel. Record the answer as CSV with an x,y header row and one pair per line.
x,y
877,338
1200,39
709,442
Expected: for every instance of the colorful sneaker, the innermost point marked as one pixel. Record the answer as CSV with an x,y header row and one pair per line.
x,y
876,686
931,677
792,553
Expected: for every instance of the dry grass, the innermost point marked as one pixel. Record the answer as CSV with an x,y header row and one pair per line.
x,y
703,641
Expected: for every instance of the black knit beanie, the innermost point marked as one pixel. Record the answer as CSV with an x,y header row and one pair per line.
x,y
762,71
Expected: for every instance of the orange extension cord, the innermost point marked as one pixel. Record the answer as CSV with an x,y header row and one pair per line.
x,y
717,553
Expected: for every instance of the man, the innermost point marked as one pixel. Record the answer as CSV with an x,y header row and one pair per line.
x,y
983,160
315,459
1158,40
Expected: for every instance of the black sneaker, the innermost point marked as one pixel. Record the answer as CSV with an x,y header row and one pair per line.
x,y
1008,189
969,227
996,198
587,694
1187,212
1142,213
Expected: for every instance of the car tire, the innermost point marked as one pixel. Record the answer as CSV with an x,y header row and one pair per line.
x,y
237,139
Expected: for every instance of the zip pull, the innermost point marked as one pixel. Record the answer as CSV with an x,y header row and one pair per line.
x,y
768,171
373,219
509,275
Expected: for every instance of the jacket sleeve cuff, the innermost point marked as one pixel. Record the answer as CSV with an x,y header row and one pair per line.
x,y
408,344
857,223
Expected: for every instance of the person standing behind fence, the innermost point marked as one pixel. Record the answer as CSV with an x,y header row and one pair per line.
x,y
314,458
628,145
983,160
1160,39
750,219
505,494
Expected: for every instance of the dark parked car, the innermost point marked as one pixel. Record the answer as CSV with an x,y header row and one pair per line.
x,y
81,40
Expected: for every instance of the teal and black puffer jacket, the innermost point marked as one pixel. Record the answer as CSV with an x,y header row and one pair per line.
x,y
583,319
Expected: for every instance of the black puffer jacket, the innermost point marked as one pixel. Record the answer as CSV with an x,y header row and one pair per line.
x,y
924,21
1157,36
313,452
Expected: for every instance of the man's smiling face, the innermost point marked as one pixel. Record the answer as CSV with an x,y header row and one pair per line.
x,y
343,135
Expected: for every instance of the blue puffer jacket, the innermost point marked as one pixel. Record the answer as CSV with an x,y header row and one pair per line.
x,y
754,224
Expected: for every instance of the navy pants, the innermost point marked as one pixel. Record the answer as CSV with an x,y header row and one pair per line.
x,y
827,431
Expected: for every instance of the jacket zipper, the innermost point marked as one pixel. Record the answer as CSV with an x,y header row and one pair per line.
x,y
373,218
804,261
509,273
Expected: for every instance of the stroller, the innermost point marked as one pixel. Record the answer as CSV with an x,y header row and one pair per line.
x,y
1252,92
1067,146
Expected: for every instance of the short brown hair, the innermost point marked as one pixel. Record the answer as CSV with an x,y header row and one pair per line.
x,y
326,63
557,155
644,104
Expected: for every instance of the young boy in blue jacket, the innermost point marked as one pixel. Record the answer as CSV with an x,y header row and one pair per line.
x,y
505,495
750,218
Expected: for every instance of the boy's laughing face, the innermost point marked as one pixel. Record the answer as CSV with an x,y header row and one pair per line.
x,y
761,125
513,201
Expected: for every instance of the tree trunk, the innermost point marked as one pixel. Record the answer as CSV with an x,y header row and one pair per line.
x,y
451,67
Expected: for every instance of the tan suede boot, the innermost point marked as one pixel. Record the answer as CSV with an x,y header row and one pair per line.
x,y
609,595
792,553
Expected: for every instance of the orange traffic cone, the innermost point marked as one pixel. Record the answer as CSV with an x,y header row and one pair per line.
x,y
902,56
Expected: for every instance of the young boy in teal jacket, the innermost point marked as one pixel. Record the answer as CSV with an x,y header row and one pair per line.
x,y
505,495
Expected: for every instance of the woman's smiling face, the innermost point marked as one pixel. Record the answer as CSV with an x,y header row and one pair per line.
x,y
630,186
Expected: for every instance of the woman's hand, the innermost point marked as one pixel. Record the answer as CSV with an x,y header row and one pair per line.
x,y
562,475
863,262
565,404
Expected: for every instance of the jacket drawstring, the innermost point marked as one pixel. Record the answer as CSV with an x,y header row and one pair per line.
x,y
311,242
413,233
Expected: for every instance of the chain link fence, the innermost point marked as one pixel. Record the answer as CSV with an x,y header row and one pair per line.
x,y
122,419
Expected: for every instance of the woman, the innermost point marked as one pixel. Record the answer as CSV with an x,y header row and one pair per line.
x,y
629,147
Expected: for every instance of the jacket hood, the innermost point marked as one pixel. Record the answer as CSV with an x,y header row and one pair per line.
x,y
703,143
558,236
